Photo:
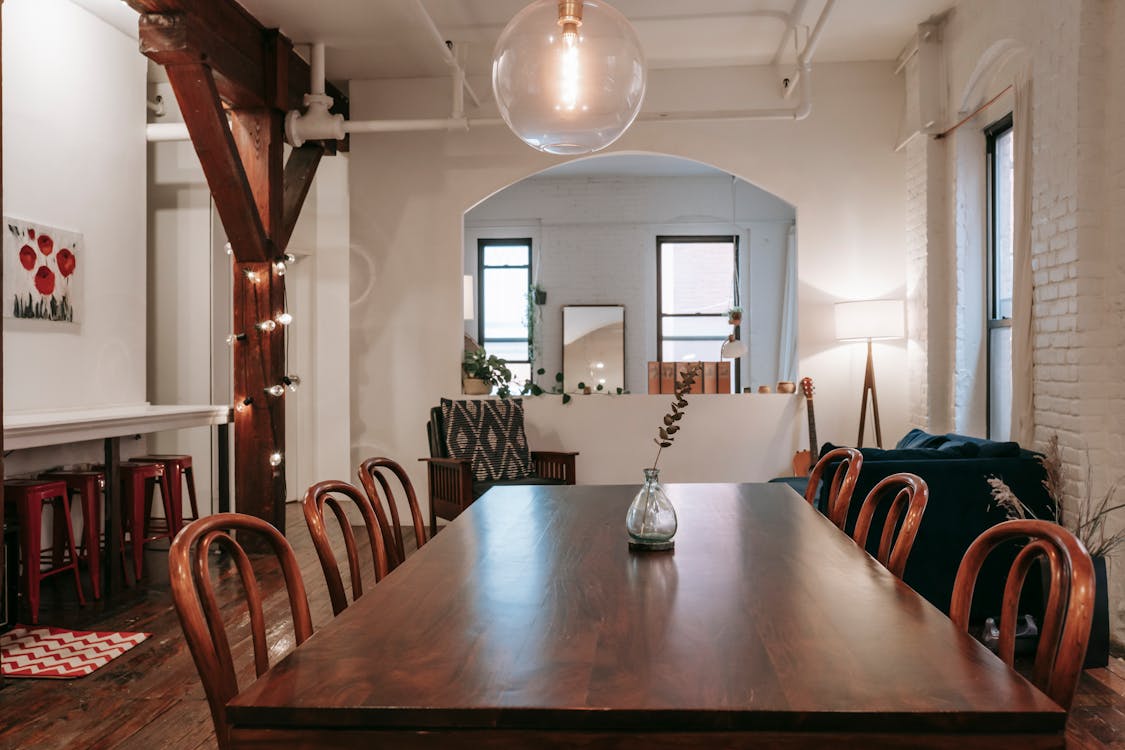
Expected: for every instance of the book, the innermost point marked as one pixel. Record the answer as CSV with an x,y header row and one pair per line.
x,y
710,377
723,378
667,377
654,377
681,369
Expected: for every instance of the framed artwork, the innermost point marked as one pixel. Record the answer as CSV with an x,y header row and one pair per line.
x,y
43,270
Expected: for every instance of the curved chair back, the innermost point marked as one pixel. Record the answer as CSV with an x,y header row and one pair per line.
x,y
1070,600
909,494
193,594
329,493
375,471
842,484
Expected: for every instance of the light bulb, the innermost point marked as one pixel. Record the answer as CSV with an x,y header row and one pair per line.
x,y
285,318
289,258
293,381
568,75
275,459
235,337
279,268
267,325
276,390
228,248
241,405
251,276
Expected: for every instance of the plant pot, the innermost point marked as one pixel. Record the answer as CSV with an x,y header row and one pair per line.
x,y
475,387
735,319
540,296
1097,653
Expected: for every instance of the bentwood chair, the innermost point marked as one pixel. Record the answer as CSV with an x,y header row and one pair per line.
x,y
1070,599
193,593
377,471
329,493
847,463
909,494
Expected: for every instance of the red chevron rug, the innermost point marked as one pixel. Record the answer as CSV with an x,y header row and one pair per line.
x,y
59,653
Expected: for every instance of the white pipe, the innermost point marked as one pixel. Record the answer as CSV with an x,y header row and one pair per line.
x,y
800,112
156,132
401,126
316,70
790,28
446,53
156,105
804,60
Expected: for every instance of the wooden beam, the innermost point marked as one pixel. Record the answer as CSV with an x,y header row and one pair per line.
x,y
300,169
207,124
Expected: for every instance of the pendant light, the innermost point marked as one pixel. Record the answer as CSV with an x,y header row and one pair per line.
x,y
568,75
733,348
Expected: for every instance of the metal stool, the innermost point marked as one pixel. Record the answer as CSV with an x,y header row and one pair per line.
x,y
28,496
137,479
88,485
175,468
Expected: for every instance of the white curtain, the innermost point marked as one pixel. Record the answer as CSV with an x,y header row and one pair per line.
x,y
1023,416
787,343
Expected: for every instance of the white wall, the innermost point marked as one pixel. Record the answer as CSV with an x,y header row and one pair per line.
x,y
74,158
594,242
410,192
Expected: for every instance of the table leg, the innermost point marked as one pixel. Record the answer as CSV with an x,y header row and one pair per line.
x,y
111,562
224,467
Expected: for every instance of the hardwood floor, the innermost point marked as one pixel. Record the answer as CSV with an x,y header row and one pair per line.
x,y
151,697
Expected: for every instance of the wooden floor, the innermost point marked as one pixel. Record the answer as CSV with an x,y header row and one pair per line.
x,y
151,697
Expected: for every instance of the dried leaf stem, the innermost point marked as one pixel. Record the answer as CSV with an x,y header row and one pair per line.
x,y
666,433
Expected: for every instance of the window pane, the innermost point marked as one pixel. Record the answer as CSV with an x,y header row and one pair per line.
x,y
505,303
506,255
521,373
1000,383
506,349
1005,208
696,276
717,326
691,351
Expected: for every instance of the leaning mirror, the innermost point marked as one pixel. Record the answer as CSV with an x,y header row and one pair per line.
x,y
593,347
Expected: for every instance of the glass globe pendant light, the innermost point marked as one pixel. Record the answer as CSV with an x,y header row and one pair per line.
x,y
568,75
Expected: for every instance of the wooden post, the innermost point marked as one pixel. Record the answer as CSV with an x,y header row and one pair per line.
x,y
869,386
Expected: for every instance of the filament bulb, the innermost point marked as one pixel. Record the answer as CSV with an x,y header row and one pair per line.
x,y
275,459
267,325
276,390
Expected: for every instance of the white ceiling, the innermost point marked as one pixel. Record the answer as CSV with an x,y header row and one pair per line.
x,y
391,39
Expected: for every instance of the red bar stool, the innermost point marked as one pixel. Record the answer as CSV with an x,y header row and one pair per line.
x,y
88,485
137,479
177,468
28,496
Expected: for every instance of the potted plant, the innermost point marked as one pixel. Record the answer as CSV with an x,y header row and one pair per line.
x,y
481,372
1088,523
734,315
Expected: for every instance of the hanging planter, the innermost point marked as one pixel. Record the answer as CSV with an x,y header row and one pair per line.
x,y
734,315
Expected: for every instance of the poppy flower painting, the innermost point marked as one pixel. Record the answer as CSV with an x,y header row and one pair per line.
x,y
43,270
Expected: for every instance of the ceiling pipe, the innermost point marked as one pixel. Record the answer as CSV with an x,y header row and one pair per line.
x,y
158,132
791,22
446,53
804,60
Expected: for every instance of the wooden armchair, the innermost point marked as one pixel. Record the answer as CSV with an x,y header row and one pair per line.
x,y
451,482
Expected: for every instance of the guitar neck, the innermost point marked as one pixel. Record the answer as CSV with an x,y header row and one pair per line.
x,y
812,430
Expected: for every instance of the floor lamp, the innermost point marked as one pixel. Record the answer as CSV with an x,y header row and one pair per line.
x,y
869,320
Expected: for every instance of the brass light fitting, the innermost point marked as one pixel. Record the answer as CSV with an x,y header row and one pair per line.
x,y
570,18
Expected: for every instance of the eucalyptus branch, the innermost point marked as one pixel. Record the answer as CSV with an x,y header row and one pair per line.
x,y
666,433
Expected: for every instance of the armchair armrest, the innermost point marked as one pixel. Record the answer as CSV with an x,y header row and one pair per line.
x,y
554,465
451,488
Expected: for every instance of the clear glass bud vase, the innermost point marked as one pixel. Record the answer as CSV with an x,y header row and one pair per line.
x,y
651,520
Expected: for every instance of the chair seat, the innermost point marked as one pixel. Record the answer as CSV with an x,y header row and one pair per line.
x,y
479,488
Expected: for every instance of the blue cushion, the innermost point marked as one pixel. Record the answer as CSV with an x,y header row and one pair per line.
x,y
900,454
960,449
988,448
917,438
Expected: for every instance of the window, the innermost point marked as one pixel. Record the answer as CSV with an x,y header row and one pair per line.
x,y
694,278
503,280
1001,209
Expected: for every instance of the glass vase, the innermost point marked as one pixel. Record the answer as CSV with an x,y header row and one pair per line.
x,y
651,520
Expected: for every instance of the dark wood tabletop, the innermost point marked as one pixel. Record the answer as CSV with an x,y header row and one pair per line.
x,y
529,623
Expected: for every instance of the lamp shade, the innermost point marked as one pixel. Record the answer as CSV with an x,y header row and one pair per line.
x,y
733,349
870,319
569,75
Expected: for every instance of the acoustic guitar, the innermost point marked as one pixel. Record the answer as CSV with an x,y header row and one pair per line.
x,y
803,461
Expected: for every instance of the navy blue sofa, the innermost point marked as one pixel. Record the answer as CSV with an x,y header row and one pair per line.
x,y
956,468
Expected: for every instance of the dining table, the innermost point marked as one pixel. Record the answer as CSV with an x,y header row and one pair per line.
x,y
528,622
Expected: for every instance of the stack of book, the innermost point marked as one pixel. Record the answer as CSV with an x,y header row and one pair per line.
x,y
662,377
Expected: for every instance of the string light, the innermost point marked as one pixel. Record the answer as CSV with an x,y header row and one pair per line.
x,y
275,459
241,405
275,390
228,248
267,325
251,276
292,381
289,258
285,318
279,267
235,337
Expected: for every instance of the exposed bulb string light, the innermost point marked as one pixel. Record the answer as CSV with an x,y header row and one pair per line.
x,y
293,381
275,390
266,325
235,337
275,459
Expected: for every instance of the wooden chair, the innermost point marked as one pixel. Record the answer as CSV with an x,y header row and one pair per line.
x,y
1069,612
848,463
451,484
328,493
909,494
375,470
193,594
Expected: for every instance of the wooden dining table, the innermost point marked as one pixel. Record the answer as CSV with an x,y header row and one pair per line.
x,y
529,623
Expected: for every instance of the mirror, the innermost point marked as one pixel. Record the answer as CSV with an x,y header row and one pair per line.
x,y
673,244
593,347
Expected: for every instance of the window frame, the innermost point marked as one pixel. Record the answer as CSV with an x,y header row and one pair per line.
x,y
482,243
661,239
993,321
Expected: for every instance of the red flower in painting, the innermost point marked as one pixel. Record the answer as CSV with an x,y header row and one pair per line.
x,y
45,281
27,257
65,259
31,233
46,244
